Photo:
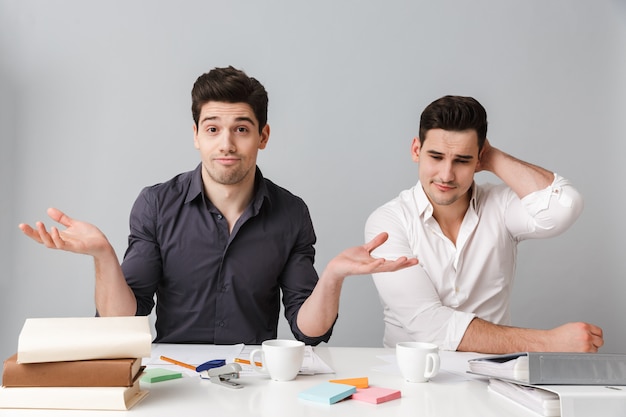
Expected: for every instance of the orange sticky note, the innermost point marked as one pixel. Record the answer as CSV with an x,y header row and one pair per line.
x,y
355,382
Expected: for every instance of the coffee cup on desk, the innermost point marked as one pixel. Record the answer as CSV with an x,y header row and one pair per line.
x,y
418,361
280,358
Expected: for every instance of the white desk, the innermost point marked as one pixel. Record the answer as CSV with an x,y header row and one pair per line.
x,y
452,393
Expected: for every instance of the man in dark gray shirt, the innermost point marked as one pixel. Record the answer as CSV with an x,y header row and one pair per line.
x,y
218,244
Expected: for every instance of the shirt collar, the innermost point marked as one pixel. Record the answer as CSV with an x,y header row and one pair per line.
x,y
196,188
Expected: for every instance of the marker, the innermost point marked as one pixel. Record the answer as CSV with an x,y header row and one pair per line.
x,y
215,363
175,362
247,362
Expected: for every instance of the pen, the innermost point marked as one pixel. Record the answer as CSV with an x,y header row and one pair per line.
x,y
247,362
174,361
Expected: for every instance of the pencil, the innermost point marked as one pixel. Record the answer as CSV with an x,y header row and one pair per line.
x,y
175,362
247,362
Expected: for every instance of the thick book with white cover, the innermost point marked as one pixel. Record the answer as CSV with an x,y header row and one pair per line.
x,y
83,338
72,398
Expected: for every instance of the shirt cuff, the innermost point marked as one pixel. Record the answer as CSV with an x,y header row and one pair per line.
x,y
457,325
538,201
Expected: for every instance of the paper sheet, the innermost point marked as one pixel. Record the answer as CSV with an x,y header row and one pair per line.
x,y
191,354
311,364
197,354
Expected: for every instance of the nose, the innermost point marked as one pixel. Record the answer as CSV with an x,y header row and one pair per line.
x,y
227,144
446,172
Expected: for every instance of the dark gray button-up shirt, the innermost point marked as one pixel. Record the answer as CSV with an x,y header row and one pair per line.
x,y
213,286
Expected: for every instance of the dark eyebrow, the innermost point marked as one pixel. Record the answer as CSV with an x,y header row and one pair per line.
x,y
245,119
238,119
462,157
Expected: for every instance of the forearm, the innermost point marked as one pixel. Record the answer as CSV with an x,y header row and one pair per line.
x,y
319,312
485,337
522,177
112,294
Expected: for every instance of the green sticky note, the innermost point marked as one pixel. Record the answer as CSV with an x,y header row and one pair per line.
x,y
159,374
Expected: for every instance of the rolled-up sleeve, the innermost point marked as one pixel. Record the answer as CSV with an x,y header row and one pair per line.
x,y
545,213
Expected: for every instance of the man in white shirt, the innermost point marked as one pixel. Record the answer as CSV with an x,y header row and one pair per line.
x,y
465,236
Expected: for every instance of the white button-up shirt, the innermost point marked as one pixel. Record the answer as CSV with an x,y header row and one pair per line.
x,y
437,299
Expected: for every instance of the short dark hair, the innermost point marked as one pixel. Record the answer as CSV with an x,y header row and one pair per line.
x,y
229,85
454,113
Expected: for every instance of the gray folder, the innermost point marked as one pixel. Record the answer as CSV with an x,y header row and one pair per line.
x,y
555,368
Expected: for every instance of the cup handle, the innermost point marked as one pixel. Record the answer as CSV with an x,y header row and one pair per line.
x,y
432,365
253,362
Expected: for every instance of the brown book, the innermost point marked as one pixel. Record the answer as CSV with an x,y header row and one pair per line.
x,y
87,373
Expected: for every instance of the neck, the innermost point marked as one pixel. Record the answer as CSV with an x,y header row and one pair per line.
x,y
230,200
450,217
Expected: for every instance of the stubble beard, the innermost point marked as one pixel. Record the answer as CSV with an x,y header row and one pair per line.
x,y
227,175
446,200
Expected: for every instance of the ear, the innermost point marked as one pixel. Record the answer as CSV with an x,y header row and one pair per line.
x,y
265,136
415,149
195,136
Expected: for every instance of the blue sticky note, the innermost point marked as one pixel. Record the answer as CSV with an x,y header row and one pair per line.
x,y
327,392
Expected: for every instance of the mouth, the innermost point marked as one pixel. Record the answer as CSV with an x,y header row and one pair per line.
x,y
226,160
443,187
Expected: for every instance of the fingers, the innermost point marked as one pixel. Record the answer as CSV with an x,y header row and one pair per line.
x,y
30,232
392,266
44,236
595,330
50,239
378,240
59,217
597,339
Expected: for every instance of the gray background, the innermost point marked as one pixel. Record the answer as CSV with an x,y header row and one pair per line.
x,y
95,104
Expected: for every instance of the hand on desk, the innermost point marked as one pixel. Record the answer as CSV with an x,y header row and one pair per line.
x,y
575,337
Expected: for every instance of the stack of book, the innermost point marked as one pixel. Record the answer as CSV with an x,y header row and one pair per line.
x,y
77,363
558,384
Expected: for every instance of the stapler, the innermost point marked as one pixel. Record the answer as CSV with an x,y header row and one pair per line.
x,y
224,375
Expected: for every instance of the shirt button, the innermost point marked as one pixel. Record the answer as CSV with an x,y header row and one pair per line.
x,y
221,324
220,217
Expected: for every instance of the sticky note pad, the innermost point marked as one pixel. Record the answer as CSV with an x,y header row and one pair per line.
x,y
159,374
327,392
355,382
376,395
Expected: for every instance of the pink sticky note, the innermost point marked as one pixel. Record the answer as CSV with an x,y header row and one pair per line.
x,y
376,395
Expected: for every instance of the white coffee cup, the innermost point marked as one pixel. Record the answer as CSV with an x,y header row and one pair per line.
x,y
281,359
418,361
